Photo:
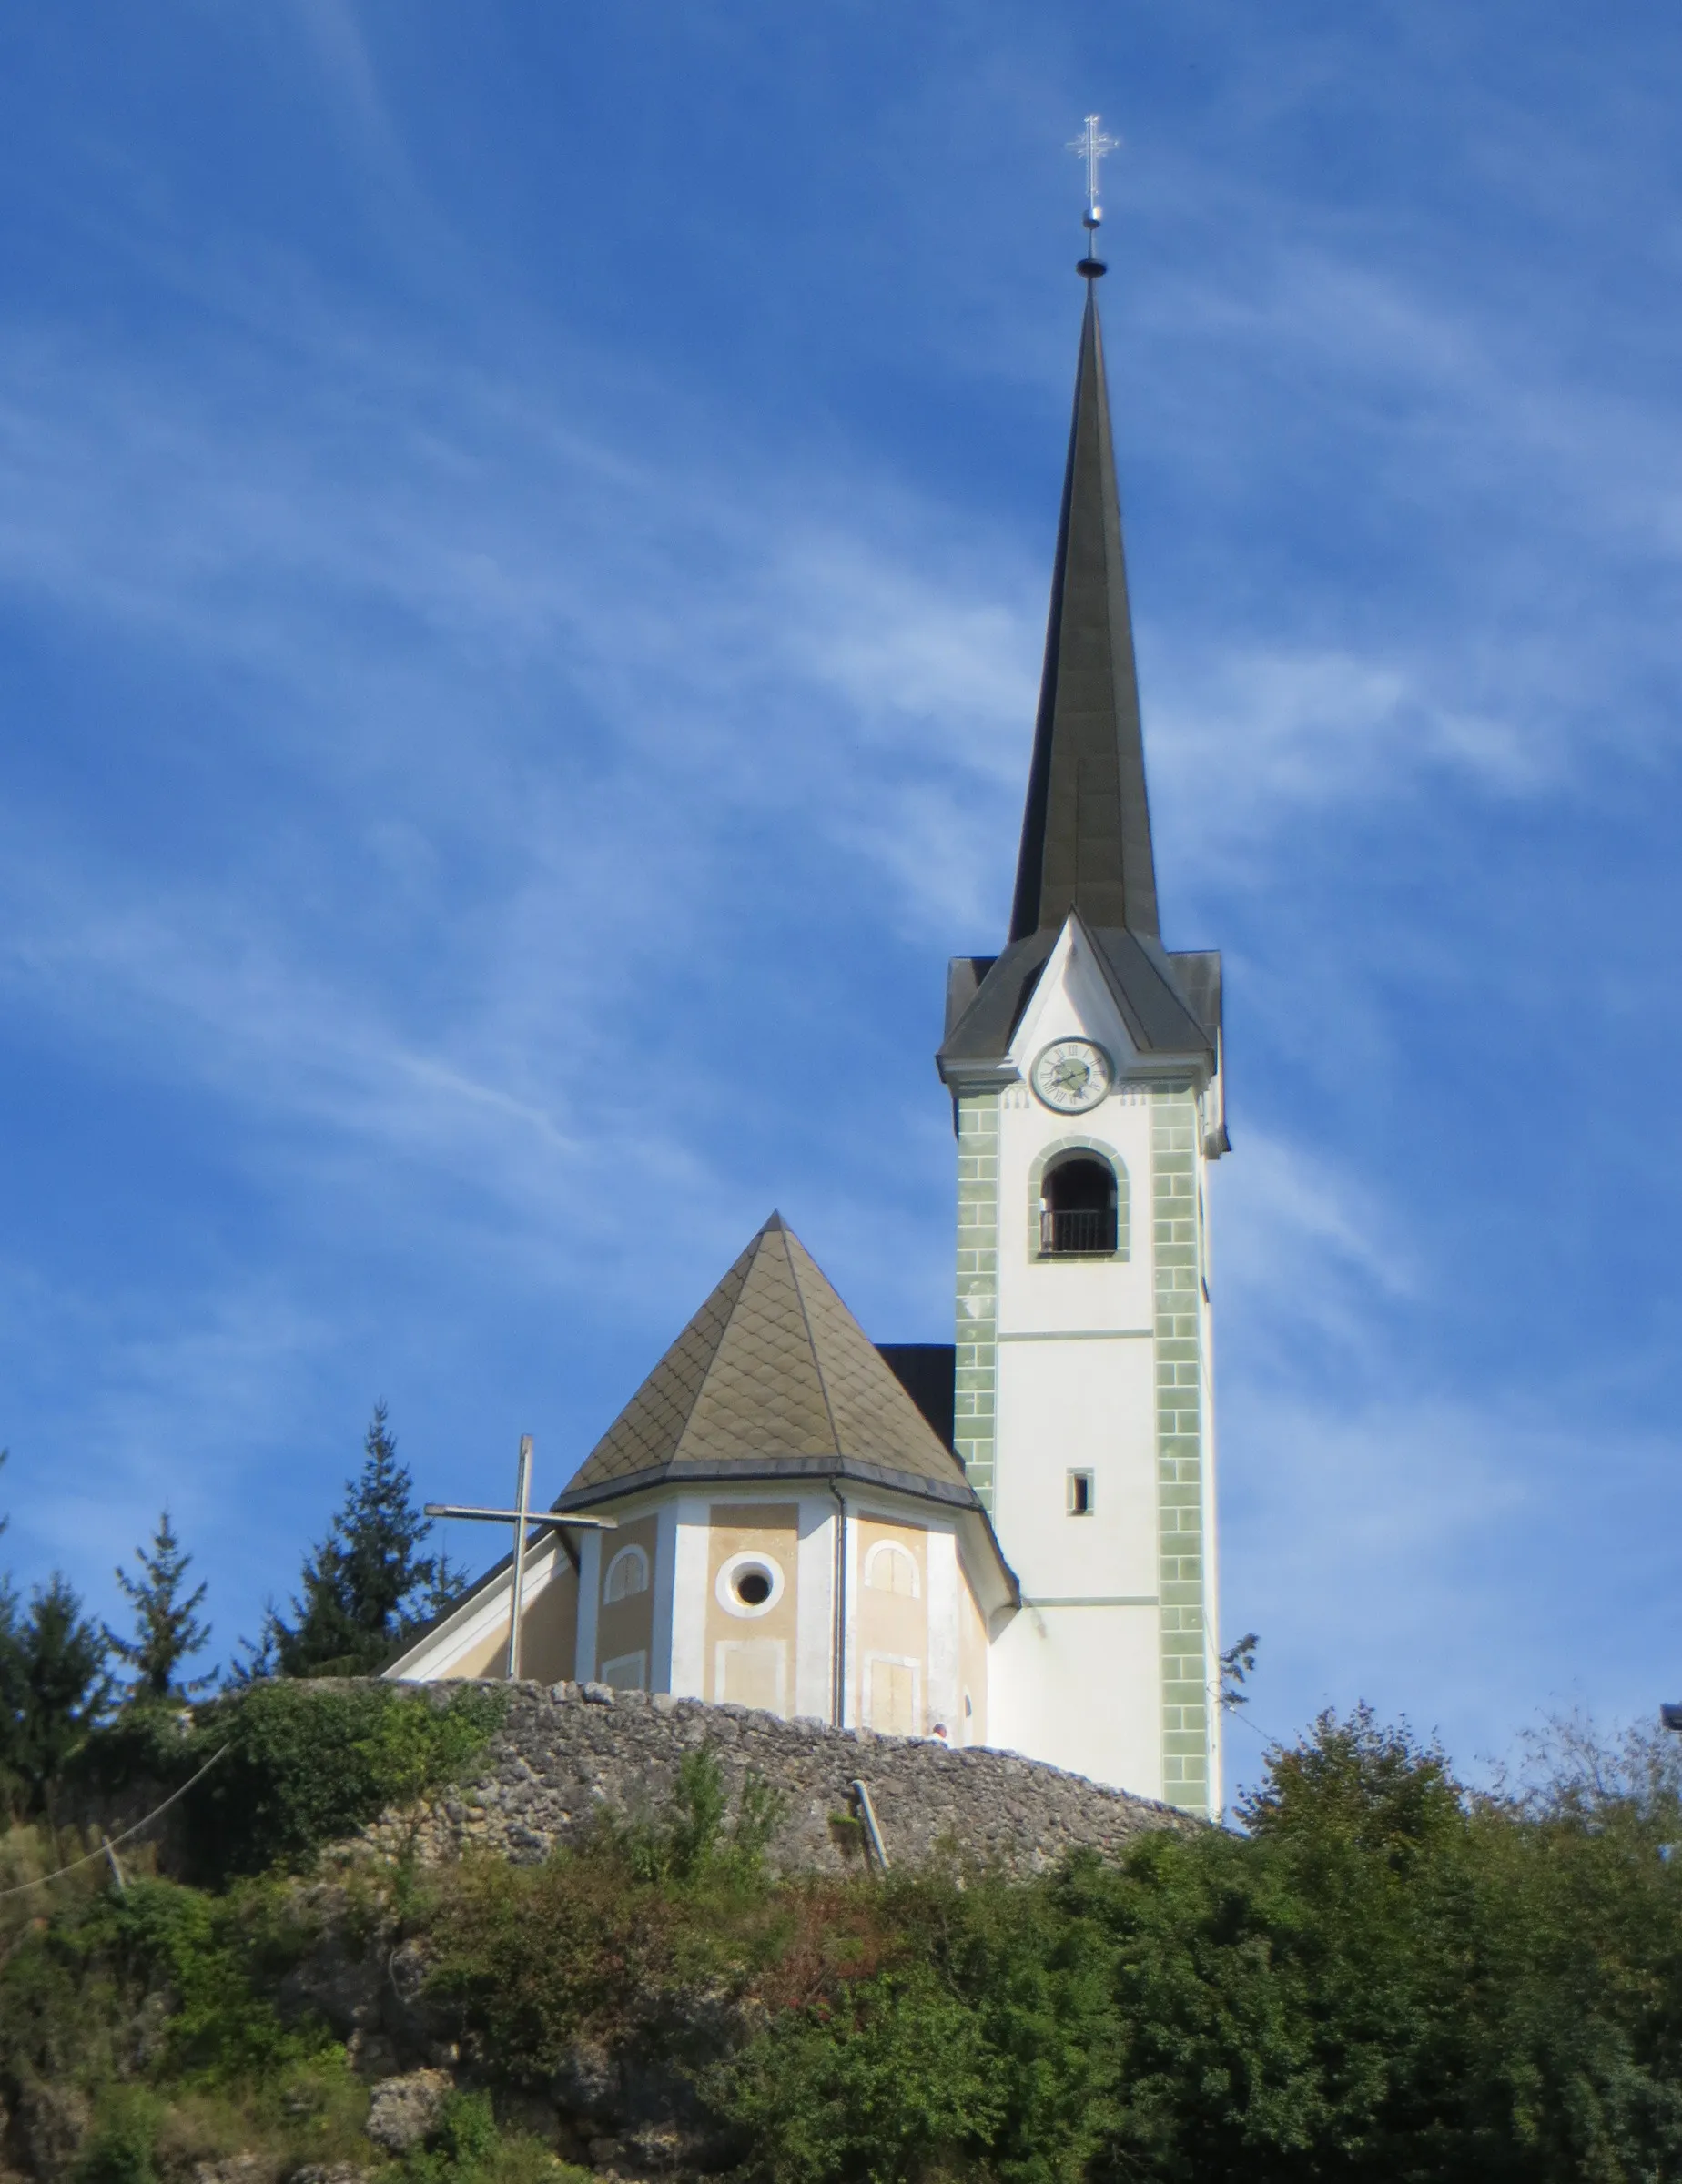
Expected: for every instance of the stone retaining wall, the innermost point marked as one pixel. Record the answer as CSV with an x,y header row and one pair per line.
x,y
568,1754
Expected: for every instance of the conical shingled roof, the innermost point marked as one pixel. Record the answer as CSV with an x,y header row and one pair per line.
x,y
772,1378
1086,830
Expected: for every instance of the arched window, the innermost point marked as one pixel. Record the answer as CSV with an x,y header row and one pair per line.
x,y
627,1573
891,1568
1079,1197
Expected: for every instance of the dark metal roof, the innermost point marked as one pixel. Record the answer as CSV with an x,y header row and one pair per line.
x,y
1197,972
1146,983
928,1371
1086,830
772,1378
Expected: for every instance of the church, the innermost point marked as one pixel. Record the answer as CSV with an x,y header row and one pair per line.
x,y
1009,1540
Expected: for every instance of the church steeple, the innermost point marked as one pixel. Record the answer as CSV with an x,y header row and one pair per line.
x,y
1086,828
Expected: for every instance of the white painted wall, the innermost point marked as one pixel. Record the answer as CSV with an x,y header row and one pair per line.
x,y
689,1597
589,1598
1088,1406
815,1606
1080,1688
946,1699
665,1601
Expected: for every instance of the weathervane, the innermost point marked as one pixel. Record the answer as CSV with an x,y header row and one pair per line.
x,y
1092,145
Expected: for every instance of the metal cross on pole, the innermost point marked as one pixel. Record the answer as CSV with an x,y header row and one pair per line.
x,y
524,1519
1093,146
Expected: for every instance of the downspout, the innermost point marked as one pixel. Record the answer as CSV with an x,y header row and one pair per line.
x,y
838,1697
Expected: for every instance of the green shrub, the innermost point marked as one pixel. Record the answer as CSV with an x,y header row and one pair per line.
x,y
312,2113
695,1841
986,2043
467,2146
63,2008
122,2147
305,1767
146,1743
534,1956
206,1953
898,2082
519,2158
467,2135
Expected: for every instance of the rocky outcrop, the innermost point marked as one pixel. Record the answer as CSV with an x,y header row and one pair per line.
x,y
405,2109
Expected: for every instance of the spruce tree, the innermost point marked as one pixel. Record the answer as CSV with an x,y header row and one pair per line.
x,y
53,1689
166,1629
365,1588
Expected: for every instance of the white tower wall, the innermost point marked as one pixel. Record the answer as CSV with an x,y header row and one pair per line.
x,y
1098,1365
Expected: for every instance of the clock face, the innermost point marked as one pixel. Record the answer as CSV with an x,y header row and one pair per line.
x,y
1071,1075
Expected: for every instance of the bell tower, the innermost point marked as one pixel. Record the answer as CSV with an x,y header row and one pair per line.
x,y
1084,1064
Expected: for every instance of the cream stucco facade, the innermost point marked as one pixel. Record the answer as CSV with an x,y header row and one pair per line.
x,y
667,1600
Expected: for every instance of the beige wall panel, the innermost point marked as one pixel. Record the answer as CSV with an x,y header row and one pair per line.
x,y
891,1637
626,1626
750,1657
549,1643
487,1657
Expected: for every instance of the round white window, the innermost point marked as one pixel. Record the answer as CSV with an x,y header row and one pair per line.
x,y
749,1584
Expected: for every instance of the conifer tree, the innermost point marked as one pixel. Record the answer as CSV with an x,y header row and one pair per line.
x,y
366,1587
166,1629
53,1689
53,1684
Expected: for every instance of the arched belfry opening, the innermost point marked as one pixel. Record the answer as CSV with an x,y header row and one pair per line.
x,y
1078,1208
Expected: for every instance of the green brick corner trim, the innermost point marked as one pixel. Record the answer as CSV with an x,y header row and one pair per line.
x,y
976,1382
1181,1562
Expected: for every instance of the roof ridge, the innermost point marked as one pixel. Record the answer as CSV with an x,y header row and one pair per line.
x,y
1106,970
817,1357
752,1256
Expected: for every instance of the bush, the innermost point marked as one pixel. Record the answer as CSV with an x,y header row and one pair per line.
x,y
695,1842
899,2083
468,2147
62,2007
206,1954
1387,1981
974,2033
306,1766
534,1956
122,2147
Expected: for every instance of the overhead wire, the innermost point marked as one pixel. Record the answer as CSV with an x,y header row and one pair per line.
x,y
127,1835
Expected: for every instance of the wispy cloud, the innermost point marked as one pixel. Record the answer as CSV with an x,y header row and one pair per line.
x,y
1441,1557
1302,1242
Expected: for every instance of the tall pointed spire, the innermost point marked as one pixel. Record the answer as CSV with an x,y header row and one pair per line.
x,y
1086,830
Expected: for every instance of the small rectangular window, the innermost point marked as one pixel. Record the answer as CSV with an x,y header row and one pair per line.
x,y
1079,1493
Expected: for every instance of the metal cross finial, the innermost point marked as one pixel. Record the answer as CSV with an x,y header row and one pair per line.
x,y
1092,145
524,1520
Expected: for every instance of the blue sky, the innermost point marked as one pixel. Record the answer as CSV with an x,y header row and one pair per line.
x,y
523,546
